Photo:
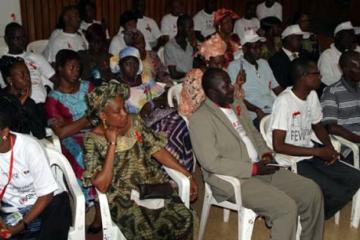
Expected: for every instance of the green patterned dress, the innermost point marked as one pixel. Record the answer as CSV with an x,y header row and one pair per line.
x,y
133,165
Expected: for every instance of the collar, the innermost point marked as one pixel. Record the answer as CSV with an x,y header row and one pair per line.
x,y
289,53
348,86
333,47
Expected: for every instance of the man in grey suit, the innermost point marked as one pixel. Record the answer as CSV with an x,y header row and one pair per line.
x,y
225,142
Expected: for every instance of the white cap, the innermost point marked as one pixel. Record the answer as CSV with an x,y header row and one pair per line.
x,y
294,30
251,36
343,26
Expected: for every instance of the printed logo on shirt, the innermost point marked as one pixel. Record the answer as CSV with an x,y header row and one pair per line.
x,y
148,28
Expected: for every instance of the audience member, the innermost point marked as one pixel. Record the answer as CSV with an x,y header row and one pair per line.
x,y
69,37
248,22
66,111
271,28
128,21
119,152
225,142
280,62
296,115
224,24
340,102
87,10
41,73
153,68
260,86
148,27
95,61
269,8
329,59
178,52
310,44
204,21
26,116
169,25
28,208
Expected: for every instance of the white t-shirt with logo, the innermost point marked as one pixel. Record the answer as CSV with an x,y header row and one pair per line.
x,y
274,11
32,176
230,114
295,116
168,25
242,25
149,28
204,23
40,72
63,40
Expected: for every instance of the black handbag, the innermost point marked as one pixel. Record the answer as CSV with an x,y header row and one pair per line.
x,y
152,191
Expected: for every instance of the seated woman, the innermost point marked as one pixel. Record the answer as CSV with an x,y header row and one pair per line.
x,y
150,100
212,53
66,110
96,60
153,68
119,153
26,116
28,209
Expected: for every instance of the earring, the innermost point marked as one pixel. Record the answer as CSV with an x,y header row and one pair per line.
x,y
104,124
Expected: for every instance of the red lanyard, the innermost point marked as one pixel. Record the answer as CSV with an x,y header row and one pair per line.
x,y
10,167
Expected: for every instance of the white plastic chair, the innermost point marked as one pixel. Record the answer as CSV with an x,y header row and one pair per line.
x,y
37,46
66,180
51,140
175,93
160,53
112,231
246,217
287,160
3,47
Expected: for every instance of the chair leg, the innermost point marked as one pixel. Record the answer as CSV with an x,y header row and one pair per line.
x,y
246,220
226,215
355,213
298,230
205,212
337,218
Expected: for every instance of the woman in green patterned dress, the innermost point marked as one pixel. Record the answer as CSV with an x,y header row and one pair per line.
x,y
119,153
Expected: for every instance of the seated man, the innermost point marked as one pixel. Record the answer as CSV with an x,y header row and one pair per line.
x,y
28,209
40,70
226,142
248,22
169,21
296,114
340,102
68,38
178,52
260,86
204,20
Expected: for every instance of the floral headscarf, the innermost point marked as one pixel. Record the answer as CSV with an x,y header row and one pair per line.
x,y
223,12
192,93
101,95
212,47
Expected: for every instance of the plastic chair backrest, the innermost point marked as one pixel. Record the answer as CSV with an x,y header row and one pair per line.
x,y
174,93
37,46
3,47
160,53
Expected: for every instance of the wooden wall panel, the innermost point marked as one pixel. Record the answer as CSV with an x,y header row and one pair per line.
x,y
40,16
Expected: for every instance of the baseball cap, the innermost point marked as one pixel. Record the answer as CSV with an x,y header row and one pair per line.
x,y
294,30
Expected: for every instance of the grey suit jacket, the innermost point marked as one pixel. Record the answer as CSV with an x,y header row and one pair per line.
x,y
219,148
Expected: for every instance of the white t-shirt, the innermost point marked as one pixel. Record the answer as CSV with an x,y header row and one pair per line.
x,y
230,114
32,176
62,40
274,11
149,28
204,23
168,25
295,116
242,25
117,43
40,72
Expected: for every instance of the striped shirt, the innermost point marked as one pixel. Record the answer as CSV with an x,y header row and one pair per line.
x,y
341,104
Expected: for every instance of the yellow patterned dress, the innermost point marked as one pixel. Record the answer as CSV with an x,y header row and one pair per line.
x,y
133,165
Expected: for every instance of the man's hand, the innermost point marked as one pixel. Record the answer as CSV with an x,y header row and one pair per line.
x,y
264,169
328,154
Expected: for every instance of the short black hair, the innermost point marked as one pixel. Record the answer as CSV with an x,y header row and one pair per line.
x,y
182,19
95,30
11,28
126,17
299,67
267,23
211,77
7,63
346,58
64,56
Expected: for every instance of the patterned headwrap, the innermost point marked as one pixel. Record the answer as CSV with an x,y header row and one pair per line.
x,y
223,12
192,93
212,47
101,95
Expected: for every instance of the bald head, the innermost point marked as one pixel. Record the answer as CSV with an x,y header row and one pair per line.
x,y
212,77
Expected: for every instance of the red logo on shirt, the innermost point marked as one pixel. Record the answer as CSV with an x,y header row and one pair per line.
x,y
294,114
148,27
138,136
238,110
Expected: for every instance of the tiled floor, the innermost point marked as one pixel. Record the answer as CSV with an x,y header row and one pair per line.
x,y
216,229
